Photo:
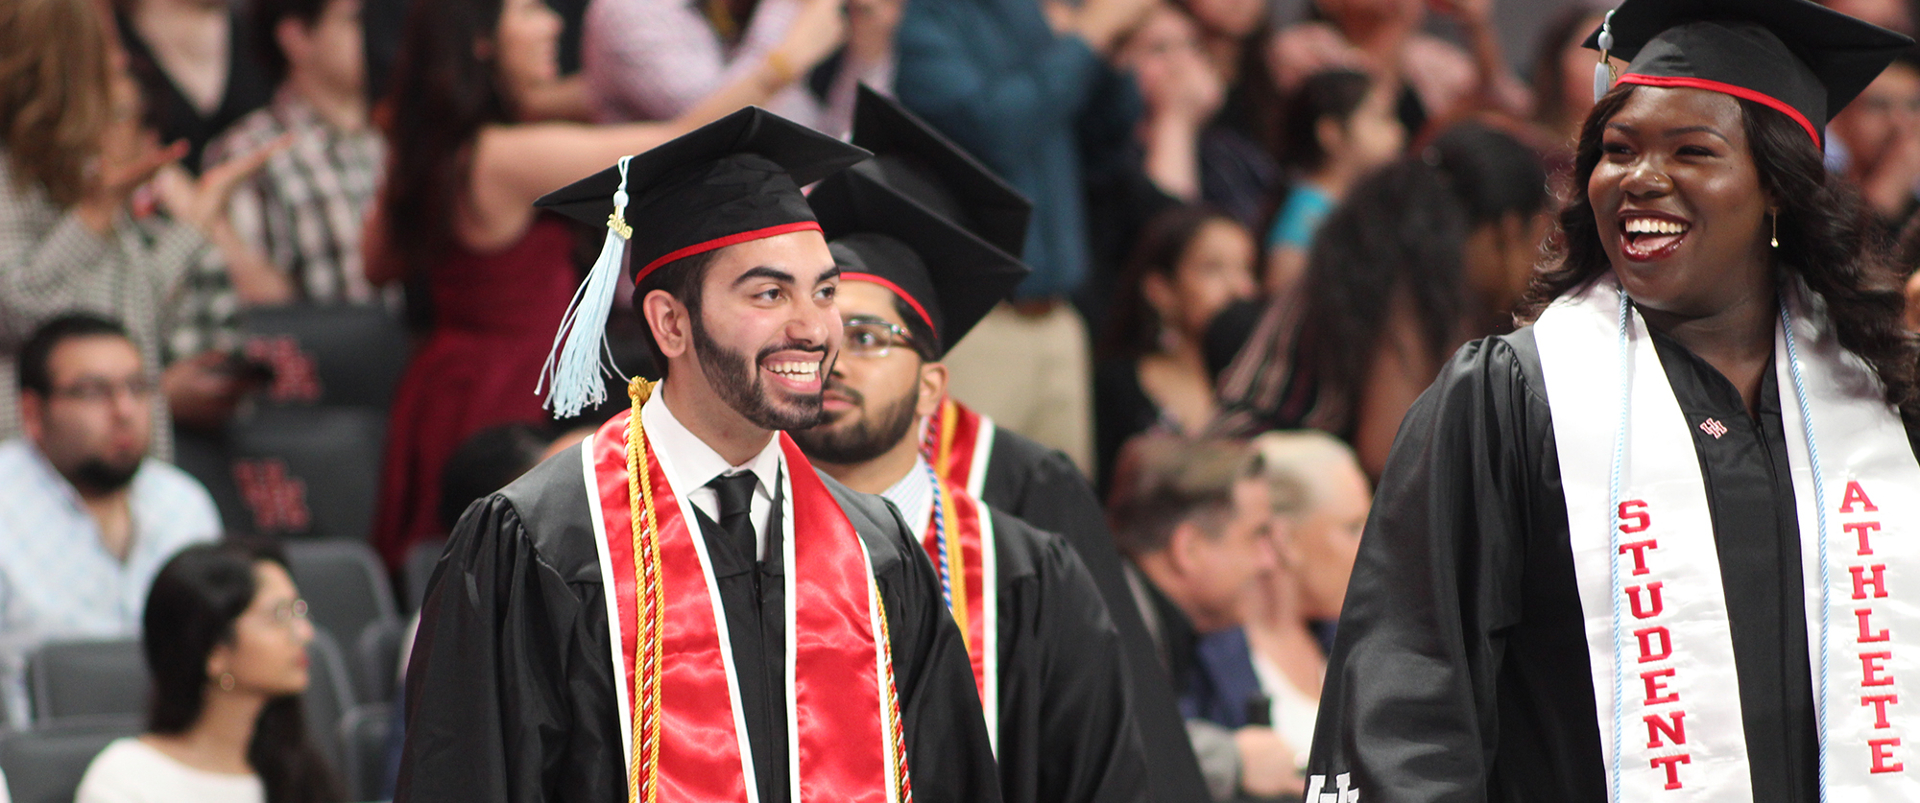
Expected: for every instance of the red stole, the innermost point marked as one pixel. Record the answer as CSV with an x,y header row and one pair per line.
x,y
959,539
687,740
958,443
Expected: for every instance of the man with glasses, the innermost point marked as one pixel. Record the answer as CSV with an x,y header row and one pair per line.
x,y
1046,658
86,517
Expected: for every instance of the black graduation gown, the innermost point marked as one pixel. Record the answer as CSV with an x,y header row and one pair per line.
x,y
1460,670
510,693
1067,731
1041,487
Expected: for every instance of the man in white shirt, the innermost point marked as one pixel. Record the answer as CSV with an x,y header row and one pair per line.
x,y
86,517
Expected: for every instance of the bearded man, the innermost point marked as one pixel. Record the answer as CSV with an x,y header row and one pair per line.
x,y
680,607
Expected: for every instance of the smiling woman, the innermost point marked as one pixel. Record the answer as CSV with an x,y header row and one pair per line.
x,y
1622,532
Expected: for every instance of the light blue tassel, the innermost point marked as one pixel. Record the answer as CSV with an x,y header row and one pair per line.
x,y
1603,72
573,377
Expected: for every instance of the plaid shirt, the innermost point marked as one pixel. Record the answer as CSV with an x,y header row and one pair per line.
x,y
305,210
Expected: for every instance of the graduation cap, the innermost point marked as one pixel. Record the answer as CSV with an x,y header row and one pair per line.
x,y
1798,57
734,180
932,171
948,276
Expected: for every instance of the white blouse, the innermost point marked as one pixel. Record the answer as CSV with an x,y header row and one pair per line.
x,y
131,771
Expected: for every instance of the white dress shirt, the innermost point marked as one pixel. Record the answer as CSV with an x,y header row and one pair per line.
x,y
691,464
913,494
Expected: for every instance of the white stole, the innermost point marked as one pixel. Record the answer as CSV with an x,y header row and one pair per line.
x,y
1649,573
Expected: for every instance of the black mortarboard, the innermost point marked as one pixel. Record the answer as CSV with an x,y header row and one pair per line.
x,y
730,181
921,164
947,275
1796,56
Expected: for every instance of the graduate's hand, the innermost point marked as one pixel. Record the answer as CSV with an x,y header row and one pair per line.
x,y
1266,763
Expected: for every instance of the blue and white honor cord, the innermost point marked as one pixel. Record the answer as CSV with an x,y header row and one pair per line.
x,y
1614,522
944,564
1820,517
1820,503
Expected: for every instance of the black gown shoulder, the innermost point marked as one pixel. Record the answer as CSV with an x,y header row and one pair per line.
x,y
1041,487
1067,729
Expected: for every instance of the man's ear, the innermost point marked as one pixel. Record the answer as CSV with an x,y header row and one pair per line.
x,y
670,322
1183,546
933,388
33,412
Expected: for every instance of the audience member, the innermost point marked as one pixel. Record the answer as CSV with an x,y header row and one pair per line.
x,y
1428,253
72,156
1194,518
487,462
1191,263
1236,169
226,643
88,514
1896,15
1562,76
1024,86
1875,142
197,64
456,217
657,59
1385,36
1182,91
1339,127
1322,498
306,209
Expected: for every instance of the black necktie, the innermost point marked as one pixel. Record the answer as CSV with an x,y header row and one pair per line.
x,y
735,493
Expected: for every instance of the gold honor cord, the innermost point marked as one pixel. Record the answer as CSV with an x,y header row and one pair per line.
x,y
649,604
896,738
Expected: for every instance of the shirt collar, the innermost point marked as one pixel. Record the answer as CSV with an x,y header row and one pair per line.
x,y
694,463
913,494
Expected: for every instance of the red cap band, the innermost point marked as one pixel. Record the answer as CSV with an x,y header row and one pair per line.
x,y
722,242
1729,89
904,295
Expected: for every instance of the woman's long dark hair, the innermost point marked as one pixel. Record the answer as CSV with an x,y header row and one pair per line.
x,y
1133,328
194,602
439,98
1826,238
1403,230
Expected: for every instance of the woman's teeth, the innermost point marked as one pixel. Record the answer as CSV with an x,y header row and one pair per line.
x,y
798,371
1647,225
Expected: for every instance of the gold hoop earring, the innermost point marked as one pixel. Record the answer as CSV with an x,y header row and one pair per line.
x,y
1775,241
226,681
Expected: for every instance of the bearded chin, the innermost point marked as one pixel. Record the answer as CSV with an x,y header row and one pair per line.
x,y
863,441
732,376
97,475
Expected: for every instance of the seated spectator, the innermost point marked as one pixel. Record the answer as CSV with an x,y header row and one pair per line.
x,y
1193,519
1875,142
1385,36
89,516
1322,499
456,218
226,642
197,65
1339,127
657,59
1025,86
72,155
1190,264
1428,253
306,209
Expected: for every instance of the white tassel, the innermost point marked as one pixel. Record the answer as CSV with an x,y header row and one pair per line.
x,y
1603,72
573,376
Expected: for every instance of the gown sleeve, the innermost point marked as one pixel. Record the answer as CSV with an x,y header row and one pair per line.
x,y
1409,709
1054,496
1083,678
507,694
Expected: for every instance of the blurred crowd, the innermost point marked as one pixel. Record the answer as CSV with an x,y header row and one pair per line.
x,y
1260,229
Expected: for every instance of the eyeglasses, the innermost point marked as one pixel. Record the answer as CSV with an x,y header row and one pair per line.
x,y
101,391
874,339
286,613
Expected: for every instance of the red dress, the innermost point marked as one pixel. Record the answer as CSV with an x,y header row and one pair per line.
x,y
494,319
